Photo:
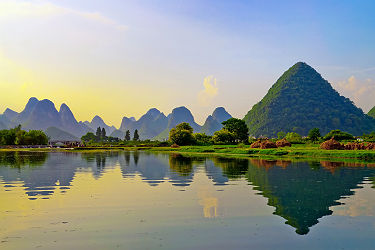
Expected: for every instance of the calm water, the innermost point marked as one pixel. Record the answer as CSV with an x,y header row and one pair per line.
x,y
141,200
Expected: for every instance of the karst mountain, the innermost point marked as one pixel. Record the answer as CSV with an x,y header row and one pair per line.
x,y
301,100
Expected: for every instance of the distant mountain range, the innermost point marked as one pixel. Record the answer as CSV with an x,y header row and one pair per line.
x,y
149,125
41,115
155,125
301,100
62,125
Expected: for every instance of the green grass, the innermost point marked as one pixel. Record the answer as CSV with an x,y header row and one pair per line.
x,y
297,151
311,151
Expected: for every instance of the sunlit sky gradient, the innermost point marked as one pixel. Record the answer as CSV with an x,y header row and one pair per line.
x,y
120,58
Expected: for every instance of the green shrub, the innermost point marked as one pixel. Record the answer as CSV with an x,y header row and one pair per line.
x,y
223,137
314,134
202,139
338,135
293,137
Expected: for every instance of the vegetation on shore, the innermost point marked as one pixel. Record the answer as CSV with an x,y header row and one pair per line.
x,y
296,151
17,136
232,140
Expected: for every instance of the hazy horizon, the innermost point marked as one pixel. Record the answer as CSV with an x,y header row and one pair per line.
x,y
119,58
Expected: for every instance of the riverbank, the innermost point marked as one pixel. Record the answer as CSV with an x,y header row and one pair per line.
x,y
310,151
296,151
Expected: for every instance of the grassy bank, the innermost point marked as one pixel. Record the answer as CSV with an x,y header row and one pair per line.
x,y
297,151
311,151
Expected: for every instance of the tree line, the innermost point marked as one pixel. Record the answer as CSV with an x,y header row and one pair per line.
x,y
100,136
17,136
234,131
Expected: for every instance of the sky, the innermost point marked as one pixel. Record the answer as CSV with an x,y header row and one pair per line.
x,y
118,58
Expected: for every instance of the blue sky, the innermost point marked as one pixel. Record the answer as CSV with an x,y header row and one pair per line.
x,y
120,58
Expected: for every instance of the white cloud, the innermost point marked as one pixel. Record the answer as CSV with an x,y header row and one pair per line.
x,y
361,91
210,91
42,9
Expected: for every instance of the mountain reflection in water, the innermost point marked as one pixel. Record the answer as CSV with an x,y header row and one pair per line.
x,y
300,192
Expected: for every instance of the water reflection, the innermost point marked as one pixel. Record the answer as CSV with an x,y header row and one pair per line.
x,y
232,168
210,205
22,159
181,164
300,192
303,192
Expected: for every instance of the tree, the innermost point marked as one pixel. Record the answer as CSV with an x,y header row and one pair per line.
x,y
127,135
136,136
37,137
16,136
98,133
12,136
89,137
103,135
202,139
239,129
293,137
22,139
182,134
314,134
184,126
223,136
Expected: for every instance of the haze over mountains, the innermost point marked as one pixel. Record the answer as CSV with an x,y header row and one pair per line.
x,y
62,125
